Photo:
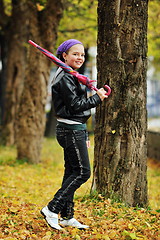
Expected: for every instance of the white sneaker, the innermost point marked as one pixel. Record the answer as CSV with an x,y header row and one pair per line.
x,y
51,218
73,223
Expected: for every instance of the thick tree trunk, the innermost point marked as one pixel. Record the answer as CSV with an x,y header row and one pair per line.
x,y
32,118
17,30
120,134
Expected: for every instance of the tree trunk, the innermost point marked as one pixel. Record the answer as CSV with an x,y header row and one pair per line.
x,y
17,29
120,134
3,53
42,29
14,69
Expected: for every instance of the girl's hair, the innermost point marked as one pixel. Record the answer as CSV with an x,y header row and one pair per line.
x,y
60,56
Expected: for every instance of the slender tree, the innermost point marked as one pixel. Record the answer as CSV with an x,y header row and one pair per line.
x,y
120,134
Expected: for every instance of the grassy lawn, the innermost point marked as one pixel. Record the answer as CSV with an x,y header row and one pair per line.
x,y
26,188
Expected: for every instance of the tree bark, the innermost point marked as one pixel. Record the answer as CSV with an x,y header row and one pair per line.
x,y
14,68
3,59
121,120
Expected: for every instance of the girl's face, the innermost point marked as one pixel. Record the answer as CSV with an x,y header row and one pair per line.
x,y
75,56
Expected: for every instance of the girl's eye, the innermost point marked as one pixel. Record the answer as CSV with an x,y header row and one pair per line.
x,y
76,54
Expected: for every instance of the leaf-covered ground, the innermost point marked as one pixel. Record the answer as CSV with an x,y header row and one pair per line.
x,y
25,189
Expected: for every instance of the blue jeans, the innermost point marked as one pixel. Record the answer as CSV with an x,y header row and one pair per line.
x,y
77,170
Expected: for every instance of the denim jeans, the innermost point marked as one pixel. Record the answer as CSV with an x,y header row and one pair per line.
x,y
77,170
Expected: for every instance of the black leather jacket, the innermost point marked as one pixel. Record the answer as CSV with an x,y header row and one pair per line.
x,y
70,98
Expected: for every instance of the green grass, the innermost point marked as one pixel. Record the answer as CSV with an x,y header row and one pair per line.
x,y
52,157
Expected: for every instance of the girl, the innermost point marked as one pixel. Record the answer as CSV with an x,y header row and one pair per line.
x,y
72,108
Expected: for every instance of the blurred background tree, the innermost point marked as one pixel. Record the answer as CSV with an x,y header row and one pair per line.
x,y
154,30
25,73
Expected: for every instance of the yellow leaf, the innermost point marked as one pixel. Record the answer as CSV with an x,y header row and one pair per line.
x,y
23,236
148,224
74,232
77,237
13,209
106,237
48,233
112,234
98,236
33,236
40,7
113,131
47,236
88,213
4,217
8,238
130,226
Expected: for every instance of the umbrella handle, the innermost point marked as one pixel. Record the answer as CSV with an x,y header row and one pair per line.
x,y
108,90
106,87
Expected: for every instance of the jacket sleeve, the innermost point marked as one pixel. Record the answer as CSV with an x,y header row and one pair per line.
x,y
74,101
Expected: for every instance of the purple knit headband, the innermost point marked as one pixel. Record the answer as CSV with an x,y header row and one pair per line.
x,y
66,45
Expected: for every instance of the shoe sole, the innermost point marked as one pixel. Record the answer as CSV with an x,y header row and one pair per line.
x,y
47,222
80,228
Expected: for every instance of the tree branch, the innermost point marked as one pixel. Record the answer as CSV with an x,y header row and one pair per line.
x,y
49,21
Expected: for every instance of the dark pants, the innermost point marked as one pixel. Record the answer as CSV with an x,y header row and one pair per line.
x,y
77,170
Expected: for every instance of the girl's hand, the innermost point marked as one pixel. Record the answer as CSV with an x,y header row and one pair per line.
x,y
102,94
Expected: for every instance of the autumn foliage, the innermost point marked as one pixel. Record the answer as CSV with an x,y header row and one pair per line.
x,y
26,188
